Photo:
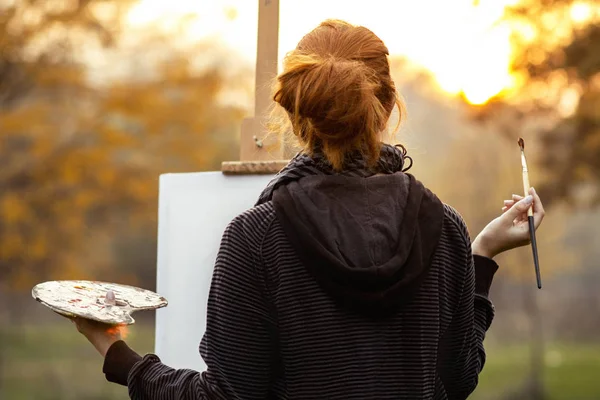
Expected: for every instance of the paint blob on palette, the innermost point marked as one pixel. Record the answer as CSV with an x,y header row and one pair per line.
x,y
110,303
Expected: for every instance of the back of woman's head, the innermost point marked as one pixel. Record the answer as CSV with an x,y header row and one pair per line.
x,y
337,90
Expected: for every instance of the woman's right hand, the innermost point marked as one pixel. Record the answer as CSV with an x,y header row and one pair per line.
x,y
511,229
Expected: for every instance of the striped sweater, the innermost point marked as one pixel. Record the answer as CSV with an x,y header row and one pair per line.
x,y
273,332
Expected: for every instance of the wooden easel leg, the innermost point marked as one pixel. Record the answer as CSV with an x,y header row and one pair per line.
x,y
255,146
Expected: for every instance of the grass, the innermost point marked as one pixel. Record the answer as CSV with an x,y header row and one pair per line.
x,y
571,372
55,362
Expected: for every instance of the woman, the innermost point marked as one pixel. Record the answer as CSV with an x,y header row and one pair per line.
x,y
348,279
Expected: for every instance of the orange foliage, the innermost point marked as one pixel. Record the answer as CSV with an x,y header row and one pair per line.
x,y
79,164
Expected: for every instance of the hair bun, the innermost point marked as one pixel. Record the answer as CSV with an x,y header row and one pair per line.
x,y
337,95
337,91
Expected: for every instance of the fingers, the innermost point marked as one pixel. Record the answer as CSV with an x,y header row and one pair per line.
x,y
83,324
538,208
79,323
519,214
509,203
518,208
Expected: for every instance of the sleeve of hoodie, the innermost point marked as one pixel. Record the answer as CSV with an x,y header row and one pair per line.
x,y
237,345
461,353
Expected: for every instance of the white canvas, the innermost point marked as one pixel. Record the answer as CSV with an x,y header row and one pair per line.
x,y
194,209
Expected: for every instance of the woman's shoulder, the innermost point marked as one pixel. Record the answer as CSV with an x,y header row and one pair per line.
x,y
457,221
255,221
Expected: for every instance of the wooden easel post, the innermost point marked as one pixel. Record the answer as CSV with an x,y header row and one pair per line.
x,y
260,154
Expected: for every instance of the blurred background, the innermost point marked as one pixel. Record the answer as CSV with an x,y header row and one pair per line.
x,y
99,97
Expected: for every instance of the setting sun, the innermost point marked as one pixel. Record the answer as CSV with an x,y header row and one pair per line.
x,y
460,42
580,12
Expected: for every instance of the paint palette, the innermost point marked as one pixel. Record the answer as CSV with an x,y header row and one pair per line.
x,y
110,303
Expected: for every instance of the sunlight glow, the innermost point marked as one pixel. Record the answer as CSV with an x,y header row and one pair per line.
x,y
460,41
580,12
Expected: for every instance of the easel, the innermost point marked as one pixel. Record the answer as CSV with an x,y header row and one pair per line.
x,y
259,153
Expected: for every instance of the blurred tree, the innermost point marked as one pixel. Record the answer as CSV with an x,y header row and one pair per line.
x,y
557,65
40,34
39,117
79,164
175,122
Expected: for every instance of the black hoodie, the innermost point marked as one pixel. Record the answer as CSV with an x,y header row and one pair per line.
x,y
381,245
367,241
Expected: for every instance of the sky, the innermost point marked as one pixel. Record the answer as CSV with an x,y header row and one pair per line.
x,y
461,42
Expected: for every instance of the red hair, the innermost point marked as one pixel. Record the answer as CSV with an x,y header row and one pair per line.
x,y
337,90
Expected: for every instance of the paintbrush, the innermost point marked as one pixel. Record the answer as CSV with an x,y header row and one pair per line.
x,y
526,187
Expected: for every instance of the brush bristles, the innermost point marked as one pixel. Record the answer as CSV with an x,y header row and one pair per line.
x,y
521,144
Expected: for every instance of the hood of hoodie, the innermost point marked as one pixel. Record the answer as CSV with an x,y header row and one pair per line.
x,y
368,242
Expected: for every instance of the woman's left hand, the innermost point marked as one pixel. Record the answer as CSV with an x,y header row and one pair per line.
x,y
511,229
102,336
